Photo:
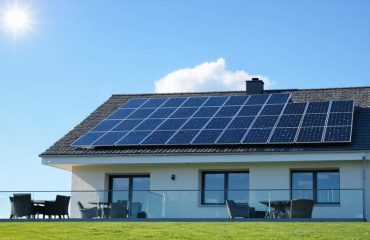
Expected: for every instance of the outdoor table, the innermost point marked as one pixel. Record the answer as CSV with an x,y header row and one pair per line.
x,y
104,207
279,207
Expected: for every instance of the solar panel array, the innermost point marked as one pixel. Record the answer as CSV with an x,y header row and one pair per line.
x,y
247,119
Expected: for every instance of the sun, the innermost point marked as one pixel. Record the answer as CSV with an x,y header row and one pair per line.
x,y
16,19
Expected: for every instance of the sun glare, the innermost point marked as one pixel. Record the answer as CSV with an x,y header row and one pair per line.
x,y
16,19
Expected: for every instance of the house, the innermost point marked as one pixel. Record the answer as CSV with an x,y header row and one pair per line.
x,y
320,155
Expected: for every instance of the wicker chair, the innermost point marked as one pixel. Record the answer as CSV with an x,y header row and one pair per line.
x,y
301,208
239,209
118,210
23,206
88,212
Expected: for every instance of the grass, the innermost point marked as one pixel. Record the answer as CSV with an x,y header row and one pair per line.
x,y
183,230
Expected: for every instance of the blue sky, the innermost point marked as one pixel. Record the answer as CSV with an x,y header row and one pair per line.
x,y
80,52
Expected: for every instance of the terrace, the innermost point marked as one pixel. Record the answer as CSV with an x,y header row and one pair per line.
x,y
167,205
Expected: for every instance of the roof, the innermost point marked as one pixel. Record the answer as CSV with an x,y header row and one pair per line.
x,y
360,134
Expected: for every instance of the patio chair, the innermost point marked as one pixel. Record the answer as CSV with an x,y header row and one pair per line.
x,y
23,206
301,208
12,211
57,208
239,209
88,212
118,210
135,208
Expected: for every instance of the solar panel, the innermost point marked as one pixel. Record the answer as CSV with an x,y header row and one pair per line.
x,y
232,136
338,134
272,109
295,108
244,119
310,135
207,137
258,135
283,135
341,106
183,137
158,137
218,123
109,139
133,138
149,124
290,120
195,123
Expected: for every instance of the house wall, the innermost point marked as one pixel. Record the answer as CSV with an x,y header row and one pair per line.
x,y
186,204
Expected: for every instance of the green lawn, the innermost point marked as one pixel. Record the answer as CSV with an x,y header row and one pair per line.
x,y
183,230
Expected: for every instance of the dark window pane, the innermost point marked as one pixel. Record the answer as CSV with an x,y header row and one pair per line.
x,y
120,189
328,187
302,185
238,185
140,188
214,184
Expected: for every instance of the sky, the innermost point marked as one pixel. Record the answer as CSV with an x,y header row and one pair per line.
x,y
77,54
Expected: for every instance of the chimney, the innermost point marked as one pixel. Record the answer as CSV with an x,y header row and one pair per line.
x,y
254,86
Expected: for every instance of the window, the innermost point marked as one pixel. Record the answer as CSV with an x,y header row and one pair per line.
x,y
322,186
220,186
128,188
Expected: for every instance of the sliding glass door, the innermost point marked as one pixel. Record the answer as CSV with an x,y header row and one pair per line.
x,y
131,188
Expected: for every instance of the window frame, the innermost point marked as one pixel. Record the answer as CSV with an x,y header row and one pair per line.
x,y
130,184
226,185
314,183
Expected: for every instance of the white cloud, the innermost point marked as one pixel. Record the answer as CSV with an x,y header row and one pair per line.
x,y
208,76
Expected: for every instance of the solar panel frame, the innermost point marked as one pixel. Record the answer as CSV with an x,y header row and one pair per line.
x,y
309,130
276,140
329,138
107,136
